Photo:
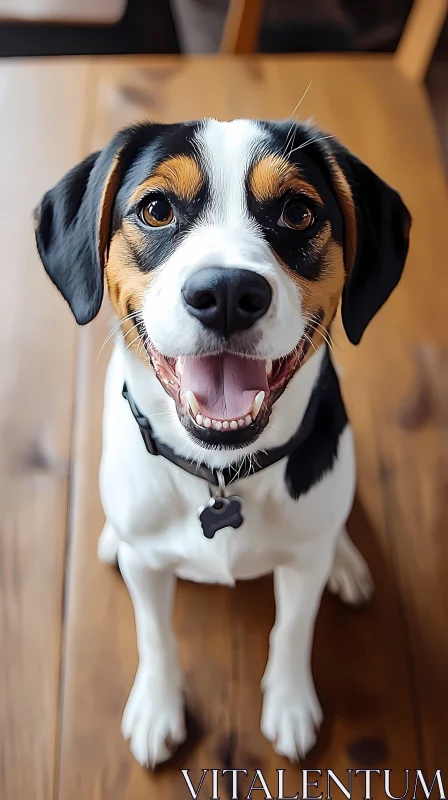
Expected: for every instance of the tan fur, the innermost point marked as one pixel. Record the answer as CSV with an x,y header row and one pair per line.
x,y
270,178
127,284
345,197
273,175
110,189
178,174
325,293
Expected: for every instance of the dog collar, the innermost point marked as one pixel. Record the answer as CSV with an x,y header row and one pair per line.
x,y
223,477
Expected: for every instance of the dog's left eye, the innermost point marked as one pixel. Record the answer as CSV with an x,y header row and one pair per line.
x,y
157,212
297,215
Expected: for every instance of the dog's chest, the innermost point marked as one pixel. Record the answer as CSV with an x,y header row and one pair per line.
x,y
154,505
168,533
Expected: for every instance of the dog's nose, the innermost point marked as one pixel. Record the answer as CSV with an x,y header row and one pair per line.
x,y
226,299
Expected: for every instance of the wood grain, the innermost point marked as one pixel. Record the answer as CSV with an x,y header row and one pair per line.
x,y
100,659
381,672
42,117
376,670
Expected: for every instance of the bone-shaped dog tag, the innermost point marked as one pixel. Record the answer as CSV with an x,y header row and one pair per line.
x,y
218,513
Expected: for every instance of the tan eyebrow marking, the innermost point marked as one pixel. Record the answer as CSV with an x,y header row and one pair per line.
x,y
178,174
345,197
273,175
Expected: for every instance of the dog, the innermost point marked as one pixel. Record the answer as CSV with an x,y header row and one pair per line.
x,y
227,454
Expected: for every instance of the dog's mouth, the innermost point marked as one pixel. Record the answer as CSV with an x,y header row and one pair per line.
x,y
226,399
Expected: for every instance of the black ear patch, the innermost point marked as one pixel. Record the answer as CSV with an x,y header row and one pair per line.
x,y
66,240
73,221
382,231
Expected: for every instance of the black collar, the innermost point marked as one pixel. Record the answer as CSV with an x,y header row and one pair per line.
x,y
264,458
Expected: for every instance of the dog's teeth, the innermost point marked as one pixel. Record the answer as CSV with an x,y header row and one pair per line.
x,y
268,366
216,424
258,402
180,365
192,402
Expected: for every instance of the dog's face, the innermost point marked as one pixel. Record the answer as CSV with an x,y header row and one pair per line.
x,y
227,247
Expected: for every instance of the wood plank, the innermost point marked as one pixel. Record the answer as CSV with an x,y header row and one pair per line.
x,y
101,655
42,117
365,662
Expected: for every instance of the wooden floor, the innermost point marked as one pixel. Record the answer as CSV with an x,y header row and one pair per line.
x,y
67,635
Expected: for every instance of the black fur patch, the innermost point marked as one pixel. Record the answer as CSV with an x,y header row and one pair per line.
x,y
68,217
293,247
158,244
69,220
382,220
327,418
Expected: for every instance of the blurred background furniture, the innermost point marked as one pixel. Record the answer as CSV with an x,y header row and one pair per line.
x,y
69,27
83,11
67,636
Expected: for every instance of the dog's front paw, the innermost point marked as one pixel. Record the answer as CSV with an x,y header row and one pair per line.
x,y
108,545
153,719
290,718
350,576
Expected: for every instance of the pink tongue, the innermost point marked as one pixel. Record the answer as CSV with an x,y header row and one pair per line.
x,y
225,386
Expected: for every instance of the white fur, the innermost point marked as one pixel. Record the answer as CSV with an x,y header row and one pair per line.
x,y
225,235
151,510
151,505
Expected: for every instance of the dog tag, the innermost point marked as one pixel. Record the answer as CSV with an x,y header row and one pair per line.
x,y
220,512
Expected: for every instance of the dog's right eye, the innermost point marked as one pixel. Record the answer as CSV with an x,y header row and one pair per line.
x,y
157,212
296,215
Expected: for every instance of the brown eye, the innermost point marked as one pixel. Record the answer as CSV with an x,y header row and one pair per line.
x,y
296,215
157,212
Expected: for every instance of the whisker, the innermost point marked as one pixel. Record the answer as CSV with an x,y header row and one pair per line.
x,y
294,121
326,336
142,345
327,342
119,322
115,328
317,324
316,138
241,465
322,331
310,341
315,320
131,343
322,328
257,463
134,327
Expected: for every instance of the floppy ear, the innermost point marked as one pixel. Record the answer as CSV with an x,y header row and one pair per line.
x,y
377,225
74,219
72,230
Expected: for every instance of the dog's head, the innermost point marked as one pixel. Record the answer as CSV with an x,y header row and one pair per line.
x,y
229,245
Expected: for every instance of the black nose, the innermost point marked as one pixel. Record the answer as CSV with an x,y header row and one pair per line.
x,y
225,299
